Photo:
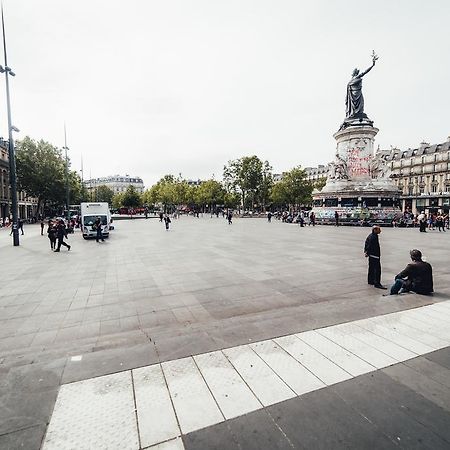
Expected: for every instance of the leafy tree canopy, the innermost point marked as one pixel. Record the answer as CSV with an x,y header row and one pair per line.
x,y
131,198
41,172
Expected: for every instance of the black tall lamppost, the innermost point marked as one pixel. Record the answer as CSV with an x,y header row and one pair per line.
x,y
67,174
12,157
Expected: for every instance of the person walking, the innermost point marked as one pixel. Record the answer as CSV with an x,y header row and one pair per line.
x,y
230,217
422,218
61,233
42,227
98,228
19,227
269,216
51,233
336,218
417,276
373,252
167,221
312,219
440,223
161,216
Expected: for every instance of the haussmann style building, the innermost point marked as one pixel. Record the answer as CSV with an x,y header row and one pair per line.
x,y
118,183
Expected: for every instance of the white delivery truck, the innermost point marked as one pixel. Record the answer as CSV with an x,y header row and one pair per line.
x,y
89,214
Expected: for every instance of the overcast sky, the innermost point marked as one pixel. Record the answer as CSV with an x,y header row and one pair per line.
x,y
150,87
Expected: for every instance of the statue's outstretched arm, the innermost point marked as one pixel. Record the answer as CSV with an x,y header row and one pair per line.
x,y
367,70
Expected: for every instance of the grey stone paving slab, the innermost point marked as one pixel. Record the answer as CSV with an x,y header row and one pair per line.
x,y
406,417
253,431
202,287
441,357
258,430
218,437
109,361
430,369
28,438
321,420
422,384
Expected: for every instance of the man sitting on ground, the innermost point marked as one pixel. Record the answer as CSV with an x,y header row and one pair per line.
x,y
416,277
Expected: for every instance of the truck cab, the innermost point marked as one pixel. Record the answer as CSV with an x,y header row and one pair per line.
x,y
89,214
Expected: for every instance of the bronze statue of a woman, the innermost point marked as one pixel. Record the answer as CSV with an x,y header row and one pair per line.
x,y
354,102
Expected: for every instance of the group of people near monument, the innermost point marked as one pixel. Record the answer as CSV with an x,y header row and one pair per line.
x,y
416,277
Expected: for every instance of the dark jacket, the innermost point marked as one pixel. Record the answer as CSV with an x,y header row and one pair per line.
x,y
420,276
61,231
372,245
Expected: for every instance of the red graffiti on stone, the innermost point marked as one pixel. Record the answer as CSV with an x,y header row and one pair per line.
x,y
357,164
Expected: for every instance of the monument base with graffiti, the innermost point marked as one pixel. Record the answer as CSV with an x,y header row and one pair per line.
x,y
358,185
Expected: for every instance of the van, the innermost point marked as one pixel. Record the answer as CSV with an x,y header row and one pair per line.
x,y
89,214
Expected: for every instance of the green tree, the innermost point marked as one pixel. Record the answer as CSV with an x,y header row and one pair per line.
x,y
293,190
231,200
104,194
77,192
117,200
210,192
266,185
41,172
320,183
131,198
244,175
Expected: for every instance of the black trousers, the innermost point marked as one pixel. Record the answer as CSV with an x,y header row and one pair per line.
x,y
61,242
374,274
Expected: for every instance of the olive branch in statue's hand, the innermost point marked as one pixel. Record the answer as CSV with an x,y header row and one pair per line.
x,y
374,57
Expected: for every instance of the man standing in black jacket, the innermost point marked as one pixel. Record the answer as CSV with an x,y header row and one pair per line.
x,y
417,276
372,251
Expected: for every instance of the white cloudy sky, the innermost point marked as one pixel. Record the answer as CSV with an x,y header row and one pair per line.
x,y
149,87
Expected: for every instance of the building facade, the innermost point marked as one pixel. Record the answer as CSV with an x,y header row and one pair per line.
x,y
4,183
315,174
423,176
26,205
118,183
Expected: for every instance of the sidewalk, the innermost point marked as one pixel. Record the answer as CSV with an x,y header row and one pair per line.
x,y
147,296
153,406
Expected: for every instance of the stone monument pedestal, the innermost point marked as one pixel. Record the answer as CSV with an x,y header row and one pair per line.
x,y
354,187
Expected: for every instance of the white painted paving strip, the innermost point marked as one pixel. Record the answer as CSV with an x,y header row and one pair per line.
x,y
262,380
380,343
339,355
230,391
96,413
324,369
151,407
296,376
155,414
194,404
361,349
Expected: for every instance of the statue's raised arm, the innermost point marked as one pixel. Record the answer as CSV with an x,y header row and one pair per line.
x,y
355,101
374,58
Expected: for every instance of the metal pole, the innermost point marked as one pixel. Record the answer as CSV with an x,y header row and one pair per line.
x,y
12,156
67,175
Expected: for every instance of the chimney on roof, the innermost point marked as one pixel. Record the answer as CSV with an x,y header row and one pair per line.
x,y
424,144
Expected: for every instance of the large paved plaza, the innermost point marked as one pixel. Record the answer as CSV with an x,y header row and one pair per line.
x,y
147,296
